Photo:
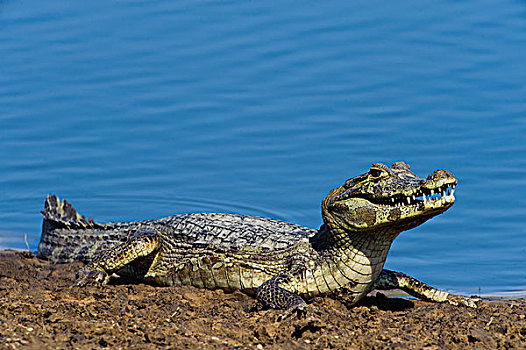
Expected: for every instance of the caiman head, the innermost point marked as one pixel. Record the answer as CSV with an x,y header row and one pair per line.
x,y
388,197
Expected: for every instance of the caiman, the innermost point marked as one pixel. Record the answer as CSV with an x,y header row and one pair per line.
x,y
282,264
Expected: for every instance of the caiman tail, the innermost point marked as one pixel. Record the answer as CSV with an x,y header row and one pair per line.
x,y
68,236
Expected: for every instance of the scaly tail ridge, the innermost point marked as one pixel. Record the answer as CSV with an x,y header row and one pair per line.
x,y
68,236
63,213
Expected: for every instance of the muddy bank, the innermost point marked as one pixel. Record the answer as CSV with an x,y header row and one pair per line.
x,y
39,311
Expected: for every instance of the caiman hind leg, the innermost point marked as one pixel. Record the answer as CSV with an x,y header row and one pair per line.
x,y
112,260
397,280
271,294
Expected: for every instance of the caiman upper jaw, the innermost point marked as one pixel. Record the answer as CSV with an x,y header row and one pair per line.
x,y
429,197
438,189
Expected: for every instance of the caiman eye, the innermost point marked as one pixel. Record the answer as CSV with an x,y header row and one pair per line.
x,y
374,172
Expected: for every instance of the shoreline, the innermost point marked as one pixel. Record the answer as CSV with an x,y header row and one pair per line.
x,y
39,311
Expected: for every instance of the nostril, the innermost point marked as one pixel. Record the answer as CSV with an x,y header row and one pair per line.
x,y
440,174
436,174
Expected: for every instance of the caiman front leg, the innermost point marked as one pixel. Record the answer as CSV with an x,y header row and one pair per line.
x,y
397,280
112,260
271,294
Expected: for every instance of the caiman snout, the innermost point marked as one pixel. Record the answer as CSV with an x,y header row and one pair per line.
x,y
439,178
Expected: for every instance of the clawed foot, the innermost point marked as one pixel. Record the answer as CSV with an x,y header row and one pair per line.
x,y
90,275
298,307
457,300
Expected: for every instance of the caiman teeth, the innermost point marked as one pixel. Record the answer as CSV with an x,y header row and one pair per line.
x,y
441,195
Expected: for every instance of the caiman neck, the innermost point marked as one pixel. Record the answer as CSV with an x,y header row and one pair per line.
x,y
352,258
332,237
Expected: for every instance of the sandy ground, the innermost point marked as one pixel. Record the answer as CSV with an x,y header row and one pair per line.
x,y
39,311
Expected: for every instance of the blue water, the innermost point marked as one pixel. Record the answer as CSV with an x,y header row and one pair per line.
x,y
141,109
